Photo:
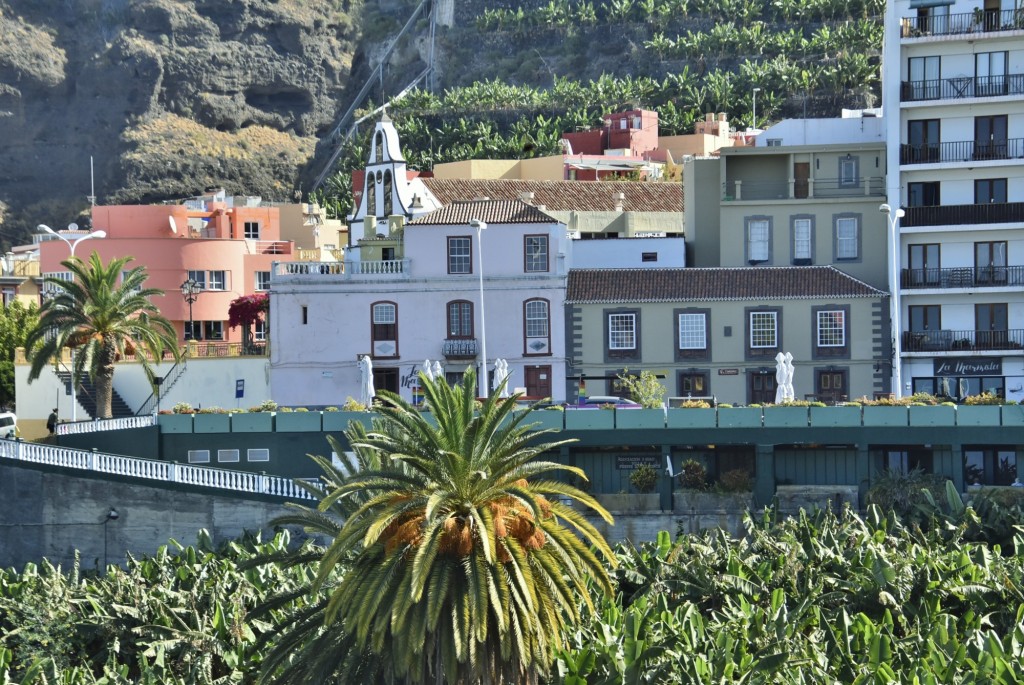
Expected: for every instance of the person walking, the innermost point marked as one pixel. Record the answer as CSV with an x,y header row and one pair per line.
x,y
51,421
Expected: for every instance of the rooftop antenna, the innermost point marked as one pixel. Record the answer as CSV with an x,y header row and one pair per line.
x,y
92,184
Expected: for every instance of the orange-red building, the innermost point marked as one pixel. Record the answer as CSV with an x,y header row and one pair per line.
x,y
227,249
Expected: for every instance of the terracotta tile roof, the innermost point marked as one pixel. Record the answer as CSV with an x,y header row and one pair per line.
x,y
607,286
491,211
559,196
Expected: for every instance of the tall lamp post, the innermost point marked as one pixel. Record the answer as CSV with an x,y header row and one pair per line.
x,y
72,244
190,290
480,227
893,218
753,110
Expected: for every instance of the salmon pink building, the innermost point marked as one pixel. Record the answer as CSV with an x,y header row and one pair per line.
x,y
227,250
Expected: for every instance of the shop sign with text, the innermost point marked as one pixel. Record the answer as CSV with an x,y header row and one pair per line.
x,y
968,366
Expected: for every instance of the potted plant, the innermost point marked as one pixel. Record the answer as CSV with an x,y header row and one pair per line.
x,y
179,420
335,420
298,420
684,416
980,410
212,420
739,417
644,479
787,414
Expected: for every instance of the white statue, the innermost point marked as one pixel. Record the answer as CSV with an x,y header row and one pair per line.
x,y
780,378
790,395
438,372
428,370
366,391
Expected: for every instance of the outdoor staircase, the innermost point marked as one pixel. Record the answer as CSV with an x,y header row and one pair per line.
x,y
87,398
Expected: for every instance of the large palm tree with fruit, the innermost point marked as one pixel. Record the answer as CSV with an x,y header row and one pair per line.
x,y
103,314
461,556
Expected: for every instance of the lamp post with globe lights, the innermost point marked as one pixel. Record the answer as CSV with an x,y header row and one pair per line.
x,y
72,244
893,219
190,290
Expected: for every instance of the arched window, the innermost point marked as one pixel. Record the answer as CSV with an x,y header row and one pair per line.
x,y
378,147
460,319
384,329
536,327
371,195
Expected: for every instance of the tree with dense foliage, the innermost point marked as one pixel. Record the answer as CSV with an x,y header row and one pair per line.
x,y
16,320
103,314
245,311
463,563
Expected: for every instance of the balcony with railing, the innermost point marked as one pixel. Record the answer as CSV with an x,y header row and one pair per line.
x,y
961,87
957,215
980,21
962,151
962,277
341,270
459,348
961,341
801,189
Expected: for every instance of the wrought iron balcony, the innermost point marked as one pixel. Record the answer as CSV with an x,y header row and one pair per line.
x,y
981,21
956,215
962,151
960,87
959,341
962,277
459,348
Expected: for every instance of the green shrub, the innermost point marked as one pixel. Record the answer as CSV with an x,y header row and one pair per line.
x,y
904,493
644,478
645,388
736,480
984,398
352,404
301,409
212,410
330,409
183,408
265,405
693,475
693,404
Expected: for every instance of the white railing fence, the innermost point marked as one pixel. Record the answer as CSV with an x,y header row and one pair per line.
x,y
151,470
98,425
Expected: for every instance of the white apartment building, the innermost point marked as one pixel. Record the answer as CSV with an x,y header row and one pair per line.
x,y
953,84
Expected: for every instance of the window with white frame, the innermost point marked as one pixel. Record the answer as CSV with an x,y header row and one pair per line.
x,y
758,240
384,329
622,331
847,238
802,240
217,280
831,328
227,455
459,255
764,332
257,454
537,327
259,331
693,331
262,280
199,277
213,330
199,456
252,230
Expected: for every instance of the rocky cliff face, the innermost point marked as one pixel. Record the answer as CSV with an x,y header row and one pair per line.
x,y
168,97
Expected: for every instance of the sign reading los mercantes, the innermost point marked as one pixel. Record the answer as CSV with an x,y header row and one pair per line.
x,y
968,366
728,372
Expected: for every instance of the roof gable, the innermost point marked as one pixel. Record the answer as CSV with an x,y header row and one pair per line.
x,y
489,211
557,196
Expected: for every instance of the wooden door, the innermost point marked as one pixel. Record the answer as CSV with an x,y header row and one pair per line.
x,y
538,381
802,174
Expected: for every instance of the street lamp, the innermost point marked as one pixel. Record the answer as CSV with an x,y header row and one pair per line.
x,y
190,290
753,111
893,218
480,227
72,244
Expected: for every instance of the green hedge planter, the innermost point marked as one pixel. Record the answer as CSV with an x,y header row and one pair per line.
x,y
175,423
337,421
979,415
885,416
298,422
835,417
1013,414
590,419
639,418
212,423
252,422
546,418
785,417
933,416
693,418
739,417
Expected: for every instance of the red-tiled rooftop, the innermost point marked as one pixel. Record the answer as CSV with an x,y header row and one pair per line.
x,y
489,211
717,284
559,196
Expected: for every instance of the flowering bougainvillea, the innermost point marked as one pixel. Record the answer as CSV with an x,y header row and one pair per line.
x,y
247,310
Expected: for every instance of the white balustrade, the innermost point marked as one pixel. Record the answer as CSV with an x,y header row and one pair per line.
x,y
150,469
98,425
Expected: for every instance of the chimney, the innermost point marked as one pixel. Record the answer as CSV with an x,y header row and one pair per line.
x,y
526,196
369,227
481,198
722,117
620,199
395,224
709,117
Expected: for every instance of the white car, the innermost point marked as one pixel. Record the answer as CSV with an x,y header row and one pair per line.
x,y
8,425
601,400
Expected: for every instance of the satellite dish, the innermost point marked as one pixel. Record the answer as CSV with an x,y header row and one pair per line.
x,y
174,226
72,227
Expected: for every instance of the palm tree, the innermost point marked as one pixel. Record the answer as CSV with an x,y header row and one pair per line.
x,y
458,563
102,321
